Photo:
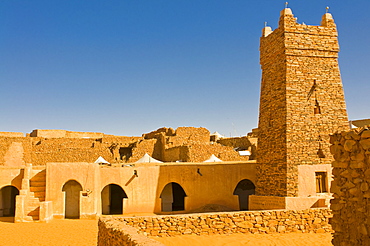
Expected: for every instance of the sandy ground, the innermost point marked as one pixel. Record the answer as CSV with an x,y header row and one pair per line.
x,y
84,232
54,233
289,239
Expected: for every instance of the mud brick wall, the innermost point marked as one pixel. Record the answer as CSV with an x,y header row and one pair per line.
x,y
272,221
113,233
299,73
351,206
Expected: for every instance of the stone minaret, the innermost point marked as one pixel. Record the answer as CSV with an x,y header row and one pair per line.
x,y
301,103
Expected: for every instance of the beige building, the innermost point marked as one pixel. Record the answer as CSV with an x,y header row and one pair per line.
x,y
87,190
60,174
53,173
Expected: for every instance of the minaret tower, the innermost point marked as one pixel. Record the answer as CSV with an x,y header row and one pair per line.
x,y
301,103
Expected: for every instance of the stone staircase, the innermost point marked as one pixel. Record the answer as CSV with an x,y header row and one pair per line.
x,y
31,204
38,185
33,208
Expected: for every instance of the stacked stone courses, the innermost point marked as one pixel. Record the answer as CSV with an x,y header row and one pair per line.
x,y
113,233
256,222
299,72
351,206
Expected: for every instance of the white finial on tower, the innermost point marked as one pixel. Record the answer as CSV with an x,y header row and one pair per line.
x,y
286,4
265,23
327,9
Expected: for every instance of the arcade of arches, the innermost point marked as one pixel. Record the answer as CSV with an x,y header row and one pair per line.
x,y
87,190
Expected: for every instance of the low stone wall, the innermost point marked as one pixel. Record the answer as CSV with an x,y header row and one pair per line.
x,y
272,221
351,187
116,233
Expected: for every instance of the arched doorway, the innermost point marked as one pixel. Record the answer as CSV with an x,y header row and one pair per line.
x,y
173,197
243,190
112,199
7,201
72,191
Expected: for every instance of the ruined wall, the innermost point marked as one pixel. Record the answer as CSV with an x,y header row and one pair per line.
x,y
11,134
187,136
112,233
273,221
198,152
188,144
144,146
43,146
351,208
179,153
202,152
301,101
241,143
16,151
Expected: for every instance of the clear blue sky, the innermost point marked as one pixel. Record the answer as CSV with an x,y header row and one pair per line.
x,y
128,67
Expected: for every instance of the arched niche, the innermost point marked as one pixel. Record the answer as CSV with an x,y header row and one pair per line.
x,y
243,190
72,190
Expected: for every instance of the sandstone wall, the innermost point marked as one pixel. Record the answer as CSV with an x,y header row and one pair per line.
x,y
272,221
351,208
112,233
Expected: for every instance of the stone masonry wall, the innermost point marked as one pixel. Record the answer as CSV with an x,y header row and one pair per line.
x,y
112,233
202,152
272,221
43,146
301,102
39,151
244,143
351,206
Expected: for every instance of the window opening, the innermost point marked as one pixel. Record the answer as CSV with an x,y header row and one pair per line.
x,y
321,182
317,109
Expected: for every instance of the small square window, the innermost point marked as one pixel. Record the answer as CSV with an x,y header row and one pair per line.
x,y
321,182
